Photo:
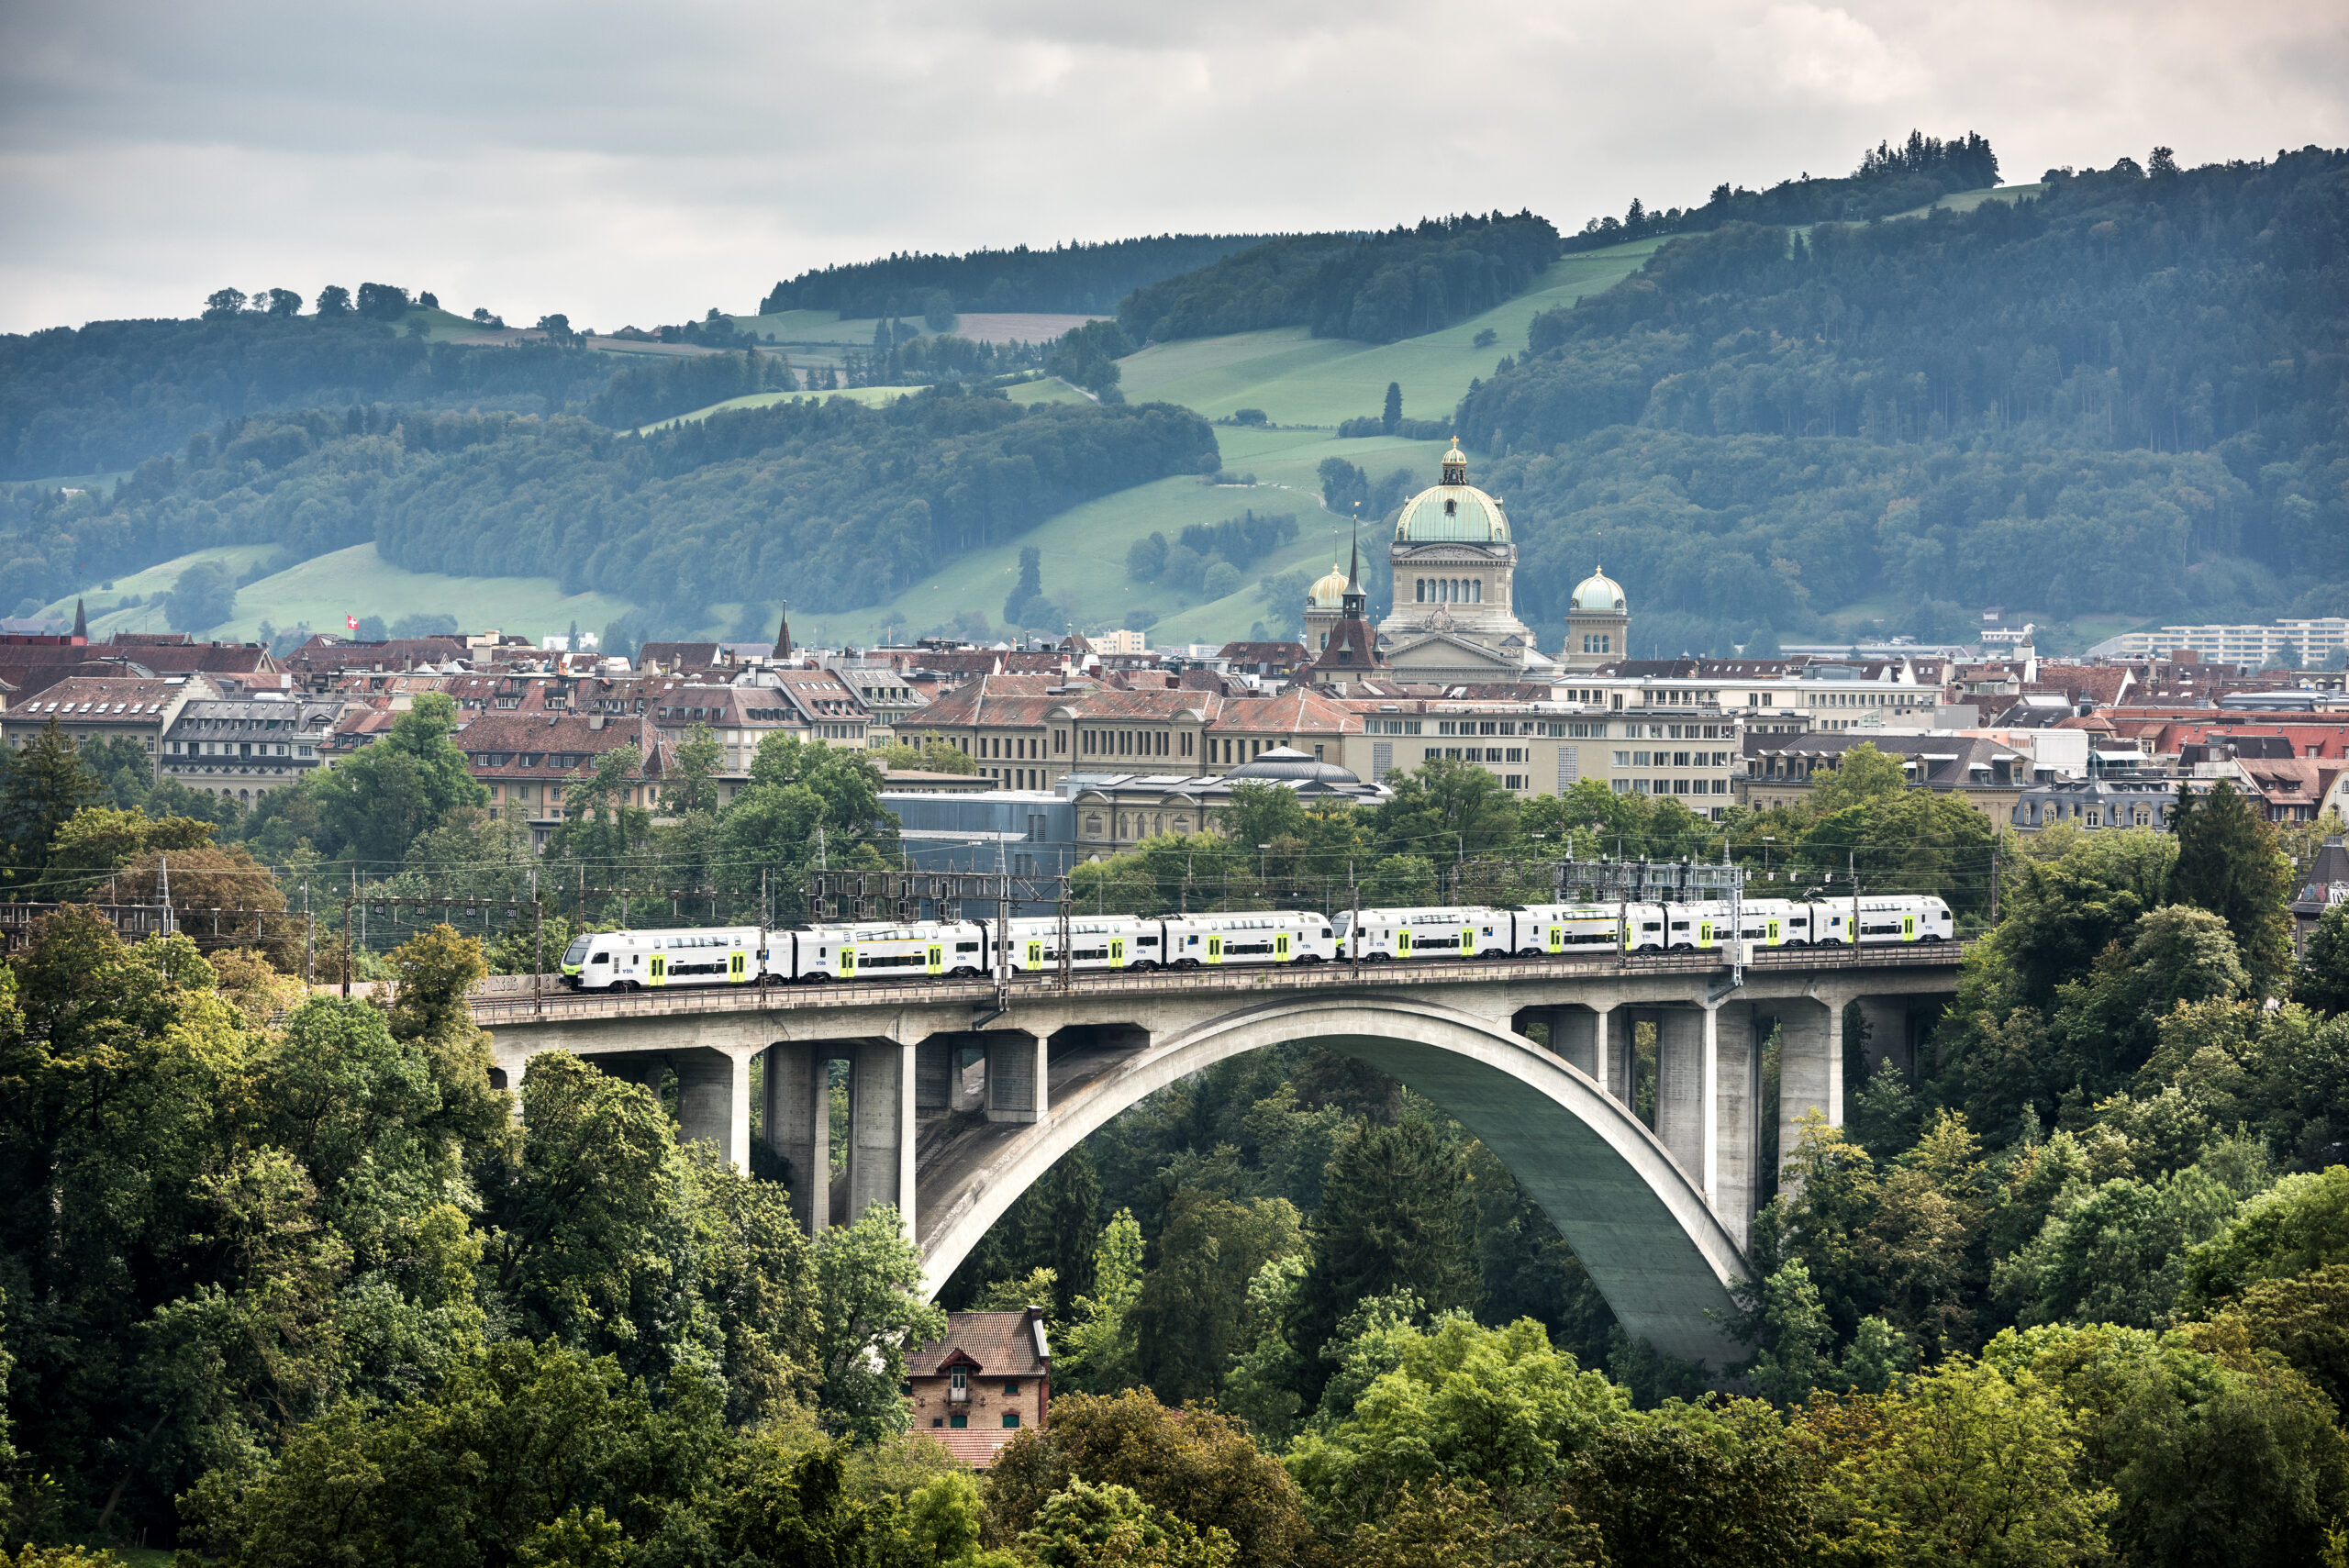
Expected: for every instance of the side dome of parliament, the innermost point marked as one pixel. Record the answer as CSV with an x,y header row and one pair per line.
x,y
1454,618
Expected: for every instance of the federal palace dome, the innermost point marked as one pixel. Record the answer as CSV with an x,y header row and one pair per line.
x,y
1451,512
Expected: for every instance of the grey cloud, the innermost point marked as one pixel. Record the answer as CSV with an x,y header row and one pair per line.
x,y
632,163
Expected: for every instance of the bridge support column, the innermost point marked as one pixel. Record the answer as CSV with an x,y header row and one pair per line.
x,y
1810,1068
714,1101
881,1128
935,1060
1574,1038
799,1115
1615,1051
1681,1108
1735,1102
1018,1089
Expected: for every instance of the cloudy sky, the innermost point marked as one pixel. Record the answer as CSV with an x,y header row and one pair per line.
x,y
640,163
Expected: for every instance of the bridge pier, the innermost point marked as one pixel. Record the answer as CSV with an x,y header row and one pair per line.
x,y
714,1100
798,1125
1810,1068
1018,1087
881,1127
1680,1098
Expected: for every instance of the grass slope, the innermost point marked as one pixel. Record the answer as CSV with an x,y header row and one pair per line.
x,y
1301,380
100,603
1085,548
359,581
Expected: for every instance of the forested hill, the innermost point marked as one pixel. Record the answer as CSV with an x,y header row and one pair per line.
x,y
2130,393
1371,287
831,506
111,393
1893,178
1074,277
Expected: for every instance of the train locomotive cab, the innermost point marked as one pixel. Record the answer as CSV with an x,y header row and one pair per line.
x,y
637,961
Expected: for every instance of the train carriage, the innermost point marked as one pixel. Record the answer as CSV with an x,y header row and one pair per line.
x,y
1095,943
880,951
1272,936
1565,930
1429,933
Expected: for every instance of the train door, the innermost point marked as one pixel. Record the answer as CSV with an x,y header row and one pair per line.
x,y
658,970
934,958
1770,931
1704,933
1908,926
1035,956
738,967
848,961
1403,941
1557,938
1215,950
1117,952
1280,946
1467,941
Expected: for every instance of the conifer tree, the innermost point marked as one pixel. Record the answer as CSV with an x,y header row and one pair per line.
x,y
43,785
1392,415
2228,863
1394,1216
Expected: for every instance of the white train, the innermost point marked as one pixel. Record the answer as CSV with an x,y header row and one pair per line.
x,y
735,955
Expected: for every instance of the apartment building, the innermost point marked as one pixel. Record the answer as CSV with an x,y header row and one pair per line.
x,y
89,708
243,746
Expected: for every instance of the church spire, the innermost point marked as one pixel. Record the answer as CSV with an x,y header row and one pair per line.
x,y
1354,555
783,632
81,623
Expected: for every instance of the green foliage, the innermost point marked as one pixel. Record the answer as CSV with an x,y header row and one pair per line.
x,y
1194,1465
2228,863
1964,1466
378,800
1068,278
830,505
1376,288
203,596
868,1278
2322,980
1726,432
1454,1403
1637,1477
42,785
1087,356
1395,1215
1191,1313
2300,1224
1083,1526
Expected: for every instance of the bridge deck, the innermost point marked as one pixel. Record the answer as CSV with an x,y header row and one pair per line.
x,y
518,1007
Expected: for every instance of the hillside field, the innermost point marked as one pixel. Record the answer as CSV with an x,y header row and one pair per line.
x,y
1298,379
358,581
1085,548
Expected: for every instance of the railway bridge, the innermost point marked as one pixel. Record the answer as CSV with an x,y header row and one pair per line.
x,y
960,1096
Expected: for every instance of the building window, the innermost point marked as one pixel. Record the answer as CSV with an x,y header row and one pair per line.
x,y
956,1423
1011,1388
1012,1417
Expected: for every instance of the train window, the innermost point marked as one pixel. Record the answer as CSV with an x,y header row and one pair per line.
x,y
601,958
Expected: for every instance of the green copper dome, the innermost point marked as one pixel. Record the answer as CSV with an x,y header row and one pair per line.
x,y
1454,512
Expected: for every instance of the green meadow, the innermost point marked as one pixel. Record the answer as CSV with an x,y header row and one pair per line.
x,y
358,581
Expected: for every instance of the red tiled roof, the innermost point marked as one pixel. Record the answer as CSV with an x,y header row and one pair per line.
x,y
1002,1344
975,1446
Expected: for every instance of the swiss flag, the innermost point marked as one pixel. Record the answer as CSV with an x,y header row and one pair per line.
x,y
350,621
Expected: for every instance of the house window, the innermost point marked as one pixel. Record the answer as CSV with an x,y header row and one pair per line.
x,y
956,1423
960,1379
1012,1417
1012,1388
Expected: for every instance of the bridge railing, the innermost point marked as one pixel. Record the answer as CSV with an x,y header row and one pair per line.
x,y
490,1009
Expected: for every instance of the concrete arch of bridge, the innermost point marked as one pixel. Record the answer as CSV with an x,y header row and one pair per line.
x,y
1651,1244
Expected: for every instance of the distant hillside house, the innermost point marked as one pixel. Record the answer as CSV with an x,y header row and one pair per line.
x,y
989,1378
